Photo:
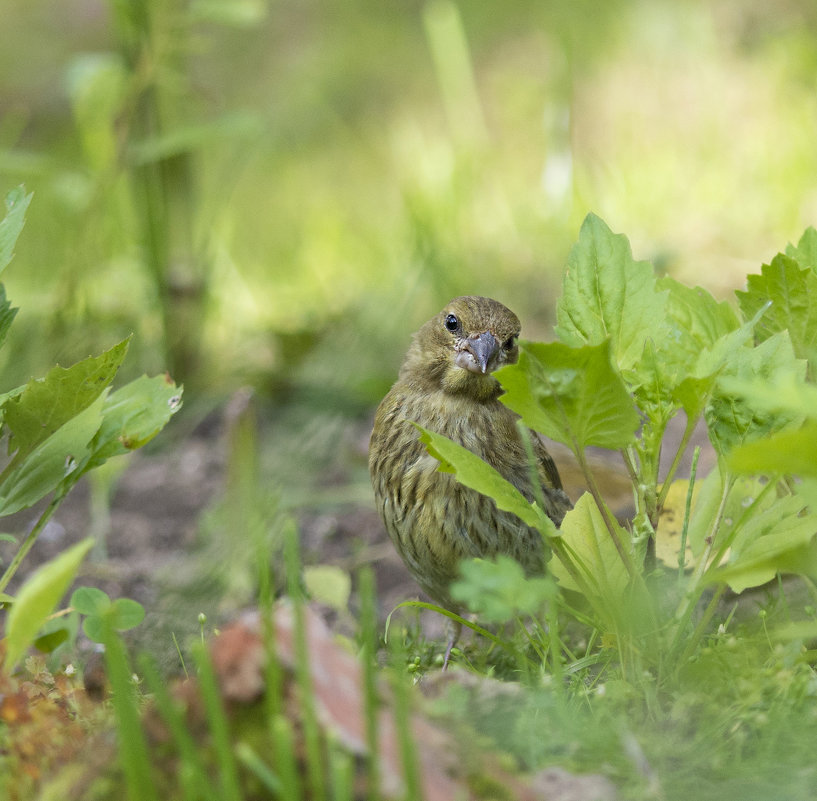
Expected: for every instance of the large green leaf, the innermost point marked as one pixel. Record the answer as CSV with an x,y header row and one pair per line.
x,y
785,453
778,539
792,292
473,472
734,419
587,538
805,253
10,226
694,322
572,395
715,358
37,599
606,294
58,458
47,404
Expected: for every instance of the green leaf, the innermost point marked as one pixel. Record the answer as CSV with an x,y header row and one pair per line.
x,y
38,597
473,472
48,643
46,404
572,395
134,414
58,459
96,628
787,393
329,584
714,358
792,292
732,419
747,496
499,591
776,540
7,314
90,601
125,613
10,226
694,322
786,453
805,254
104,615
595,554
608,295
51,462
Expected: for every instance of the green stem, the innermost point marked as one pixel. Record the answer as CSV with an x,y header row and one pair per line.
x,y
687,511
625,555
692,642
30,539
690,427
690,599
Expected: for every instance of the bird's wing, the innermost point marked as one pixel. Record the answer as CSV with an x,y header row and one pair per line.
x,y
548,473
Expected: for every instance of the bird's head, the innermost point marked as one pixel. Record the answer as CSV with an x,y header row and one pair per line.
x,y
459,348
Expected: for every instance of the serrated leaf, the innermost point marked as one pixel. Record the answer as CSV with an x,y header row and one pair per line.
x,y
10,226
733,420
572,395
606,294
59,458
694,322
587,537
47,404
473,472
713,359
805,254
792,292
37,599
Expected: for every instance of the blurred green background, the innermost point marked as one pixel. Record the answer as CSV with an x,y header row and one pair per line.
x,y
277,192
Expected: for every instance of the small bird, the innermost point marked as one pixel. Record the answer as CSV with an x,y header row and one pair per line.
x,y
446,385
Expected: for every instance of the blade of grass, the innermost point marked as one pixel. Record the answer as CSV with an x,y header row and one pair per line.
x,y
259,769
402,723
368,636
229,787
288,772
133,750
312,738
193,775
343,776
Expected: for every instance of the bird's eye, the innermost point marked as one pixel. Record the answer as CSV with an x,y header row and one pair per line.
x,y
452,323
510,343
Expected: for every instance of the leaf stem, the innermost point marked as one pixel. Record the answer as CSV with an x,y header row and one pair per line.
x,y
625,555
30,539
684,611
687,435
687,511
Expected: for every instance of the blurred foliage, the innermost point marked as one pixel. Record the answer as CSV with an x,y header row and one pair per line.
x,y
275,193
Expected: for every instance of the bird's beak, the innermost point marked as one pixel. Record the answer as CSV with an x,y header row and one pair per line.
x,y
477,352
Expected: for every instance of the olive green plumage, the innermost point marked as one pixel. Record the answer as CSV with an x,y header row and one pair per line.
x,y
445,385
